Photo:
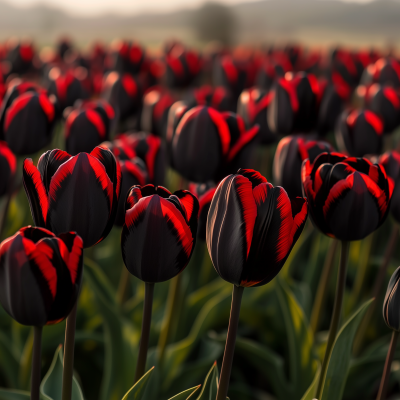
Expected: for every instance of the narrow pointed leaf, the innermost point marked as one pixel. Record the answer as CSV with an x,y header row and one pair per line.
x,y
311,391
137,390
187,394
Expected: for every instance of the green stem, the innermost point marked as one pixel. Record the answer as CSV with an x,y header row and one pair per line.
x,y
69,344
335,316
230,343
322,289
386,370
377,289
123,286
36,363
173,295
145,335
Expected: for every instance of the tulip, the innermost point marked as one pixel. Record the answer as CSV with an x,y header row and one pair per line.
x,y
127,56
156,105
391,315
385,102
27,120
344,68
348,199
385,71
157,242
270,71
147,147
20,56
216,97
40,280
66,87
359,133
8,167
123,92
84,130
289,156
250,221
78,193
133,173
207,144
253,107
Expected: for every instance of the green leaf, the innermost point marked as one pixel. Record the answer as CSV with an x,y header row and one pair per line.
x,y
120,340
339,362
9,394
312,390
210,385
51,386
187,394
137,390
302,366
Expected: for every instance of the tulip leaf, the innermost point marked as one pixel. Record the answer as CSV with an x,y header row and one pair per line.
x,y
118,336
9,394
51,386
187,394
339,361
210,385
312,390
137,390
302,366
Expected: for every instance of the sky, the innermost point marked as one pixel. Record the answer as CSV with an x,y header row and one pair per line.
x,y
95,7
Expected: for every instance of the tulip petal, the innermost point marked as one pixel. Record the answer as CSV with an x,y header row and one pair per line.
x,y
230,224
36,193
49,162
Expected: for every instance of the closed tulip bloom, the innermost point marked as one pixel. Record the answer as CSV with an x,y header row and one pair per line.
x,y
159,233
127,56
385,102
218,97
204,193
104,109
84,130
289,156
20,56
123,93
359,132
133,173
40,275
385,71
8,167
77,193
29,122
252,107
391,163
252,228
391,304
348,197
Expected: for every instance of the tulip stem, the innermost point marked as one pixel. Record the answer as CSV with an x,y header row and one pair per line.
x,y
69,344
335,316
230,343
36,363
376,291
322,289
144,338
170,312
386,370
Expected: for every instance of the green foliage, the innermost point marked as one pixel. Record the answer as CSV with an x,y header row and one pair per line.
x,y
137,390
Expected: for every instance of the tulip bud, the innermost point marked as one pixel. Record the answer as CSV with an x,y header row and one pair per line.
x,y
249,222
159,233
40,275
127,57
216,97
391,304
359,133
77,193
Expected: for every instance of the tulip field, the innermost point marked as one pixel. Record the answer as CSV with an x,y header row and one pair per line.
x,y
199,224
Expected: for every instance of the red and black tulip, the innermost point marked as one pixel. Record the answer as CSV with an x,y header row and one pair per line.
x,y
289,157
159,233
127,56
348,197
359,133
249,222
77,193
40,275
218,97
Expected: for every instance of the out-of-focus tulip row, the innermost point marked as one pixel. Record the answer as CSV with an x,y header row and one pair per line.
x,y
184,165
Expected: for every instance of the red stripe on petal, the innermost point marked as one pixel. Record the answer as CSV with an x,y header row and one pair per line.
x,y
135,194
16,106
96,120
244,139
285,239
134,170
72,258
36,178
223,129
9,156
291,91
47,107
129,85
187,201
377,192
70,120
299,218
392,96
260,192
132,215
41,254
374,121
63,171
336,191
